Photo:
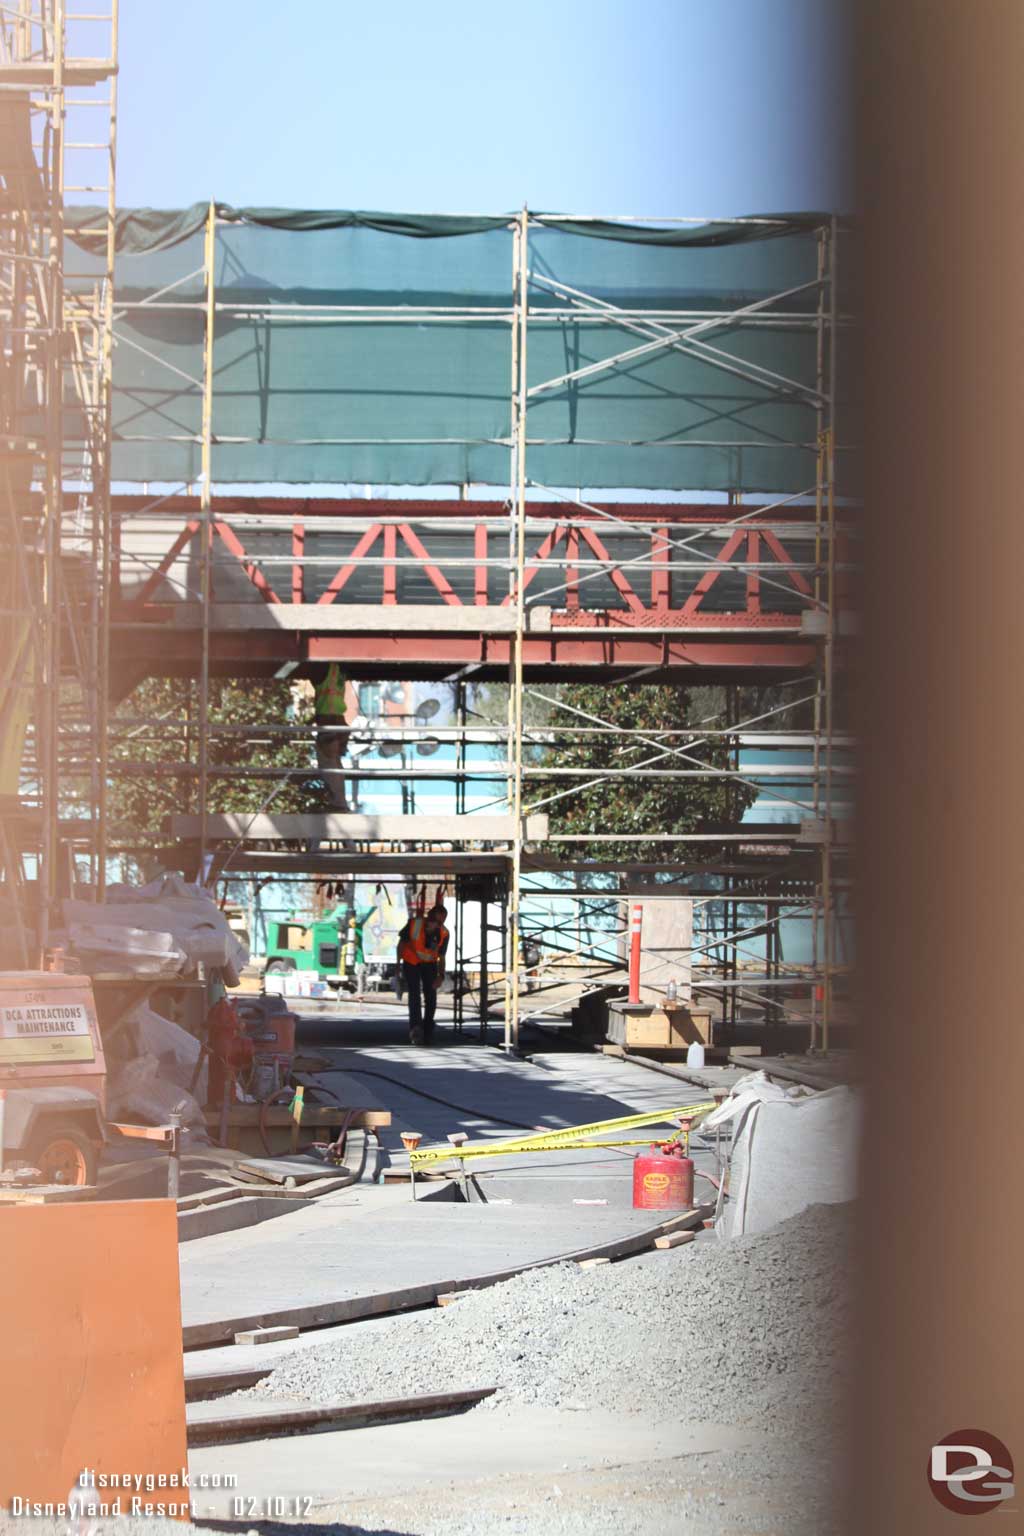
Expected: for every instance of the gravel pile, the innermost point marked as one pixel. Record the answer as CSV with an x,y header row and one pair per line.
x,y
747,1331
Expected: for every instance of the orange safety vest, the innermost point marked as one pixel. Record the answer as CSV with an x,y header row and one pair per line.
x,y
415,950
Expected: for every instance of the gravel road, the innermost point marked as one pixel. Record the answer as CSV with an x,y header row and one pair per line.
x,y
751,1332
736,1332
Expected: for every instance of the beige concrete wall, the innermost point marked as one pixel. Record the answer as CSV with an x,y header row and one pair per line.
x,y
665,946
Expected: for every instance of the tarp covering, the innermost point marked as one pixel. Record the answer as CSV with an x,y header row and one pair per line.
x,y
154,229
303,394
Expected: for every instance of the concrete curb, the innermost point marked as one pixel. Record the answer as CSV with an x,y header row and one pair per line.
x,y
270,1422
352,1308
229,1215
229,1208
211,1384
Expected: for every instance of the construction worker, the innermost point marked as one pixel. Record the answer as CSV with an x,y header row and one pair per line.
x,y
422,946
331,745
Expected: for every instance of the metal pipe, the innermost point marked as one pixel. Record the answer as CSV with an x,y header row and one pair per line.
x,y
174,1159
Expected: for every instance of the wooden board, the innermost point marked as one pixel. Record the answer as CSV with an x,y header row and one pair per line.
x,y
318,1115
264,1423
90,1337
675,1239
243,1133
47,1194
278,1170
254,1336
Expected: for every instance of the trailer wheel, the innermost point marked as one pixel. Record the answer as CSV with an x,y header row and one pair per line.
x,y
62,1152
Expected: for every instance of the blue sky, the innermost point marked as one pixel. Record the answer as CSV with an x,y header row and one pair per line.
x,y
655,107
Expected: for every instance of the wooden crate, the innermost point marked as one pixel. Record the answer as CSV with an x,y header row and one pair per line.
x,y
641,1027
688,1025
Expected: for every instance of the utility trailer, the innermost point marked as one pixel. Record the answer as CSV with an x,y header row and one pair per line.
x,y
52,1076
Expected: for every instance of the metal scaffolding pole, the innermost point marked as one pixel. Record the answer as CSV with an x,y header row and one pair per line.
x,y
516,711
103,511
829,647
55,420
206,528
819,495
53,497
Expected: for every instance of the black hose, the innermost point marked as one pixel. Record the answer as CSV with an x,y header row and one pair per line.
x,y
278,1093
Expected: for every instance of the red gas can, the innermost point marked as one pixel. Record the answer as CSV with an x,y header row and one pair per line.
x,y
663,1180
230,1050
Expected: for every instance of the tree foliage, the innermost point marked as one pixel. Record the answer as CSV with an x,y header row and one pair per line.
x,y
625,803
159,723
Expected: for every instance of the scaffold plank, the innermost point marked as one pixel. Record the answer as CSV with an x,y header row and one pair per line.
x,y
339,826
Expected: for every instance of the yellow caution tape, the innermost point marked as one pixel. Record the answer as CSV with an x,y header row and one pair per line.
x,y
569,1137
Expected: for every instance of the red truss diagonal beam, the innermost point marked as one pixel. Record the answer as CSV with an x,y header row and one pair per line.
x,y
619,581
709,578
798,578
534,564
433,572
341,576
186,535
232,542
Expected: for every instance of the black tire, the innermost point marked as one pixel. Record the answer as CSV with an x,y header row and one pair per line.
x,y
52,1134
279,967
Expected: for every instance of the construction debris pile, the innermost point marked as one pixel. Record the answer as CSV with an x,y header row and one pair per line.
x,y
166,928
752,1330
160,1072
163,931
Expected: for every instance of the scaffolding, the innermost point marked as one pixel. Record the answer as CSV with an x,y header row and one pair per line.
x,y
530,584
58,83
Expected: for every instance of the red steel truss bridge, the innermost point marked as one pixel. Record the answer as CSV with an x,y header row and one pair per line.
x,y
417,588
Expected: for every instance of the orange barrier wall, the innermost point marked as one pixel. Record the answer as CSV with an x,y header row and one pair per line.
x,y
91,1373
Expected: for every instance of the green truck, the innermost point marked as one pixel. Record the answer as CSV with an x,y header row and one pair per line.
x,y
325,948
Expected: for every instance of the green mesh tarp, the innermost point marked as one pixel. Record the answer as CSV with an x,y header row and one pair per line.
x,y
304,396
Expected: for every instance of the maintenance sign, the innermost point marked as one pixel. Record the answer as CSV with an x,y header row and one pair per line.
x,y
45,1032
